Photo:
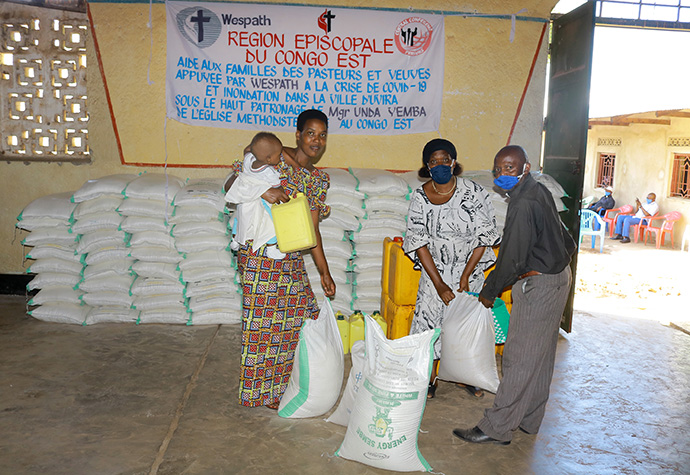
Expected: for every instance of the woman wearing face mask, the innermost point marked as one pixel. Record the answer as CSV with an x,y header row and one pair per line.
x,y
451,227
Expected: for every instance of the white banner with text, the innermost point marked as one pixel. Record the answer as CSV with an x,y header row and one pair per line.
x,y
257,66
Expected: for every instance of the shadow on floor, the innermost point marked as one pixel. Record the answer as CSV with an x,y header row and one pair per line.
x,y
126,399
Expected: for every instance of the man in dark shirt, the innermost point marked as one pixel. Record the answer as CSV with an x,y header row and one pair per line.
x,y
534,257
605,203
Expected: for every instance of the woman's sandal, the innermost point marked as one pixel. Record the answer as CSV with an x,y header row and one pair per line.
x,y
273,405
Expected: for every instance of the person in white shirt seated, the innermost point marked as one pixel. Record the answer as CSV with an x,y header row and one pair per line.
x,y
623,223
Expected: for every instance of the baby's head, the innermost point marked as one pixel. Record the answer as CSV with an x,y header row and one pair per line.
x,y
267,148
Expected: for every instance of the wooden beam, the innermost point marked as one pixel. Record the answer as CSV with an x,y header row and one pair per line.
x,y
599,122
673,113
624,121
640,120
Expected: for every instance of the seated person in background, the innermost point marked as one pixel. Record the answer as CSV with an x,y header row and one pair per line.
x,y
623,223
605,203
258,174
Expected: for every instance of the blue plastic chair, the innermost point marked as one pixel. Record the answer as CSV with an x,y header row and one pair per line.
x,y
587,219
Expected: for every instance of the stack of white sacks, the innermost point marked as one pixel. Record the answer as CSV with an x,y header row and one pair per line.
x,y
106,277
152,249
158,294
346,208
120,250
386,202
53,259
208,268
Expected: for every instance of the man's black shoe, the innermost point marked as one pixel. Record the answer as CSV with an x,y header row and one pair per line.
x,y
617,237
476,435
625,240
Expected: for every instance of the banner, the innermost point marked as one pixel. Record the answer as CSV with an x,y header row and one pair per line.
x,y
256,67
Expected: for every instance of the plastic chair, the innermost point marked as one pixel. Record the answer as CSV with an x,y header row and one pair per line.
x,y
586,201
642,225
665,227
686,238
612,214
587,218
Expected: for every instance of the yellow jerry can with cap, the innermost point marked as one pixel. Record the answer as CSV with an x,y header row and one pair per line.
x,y
344,329
356,327
381,321
293,224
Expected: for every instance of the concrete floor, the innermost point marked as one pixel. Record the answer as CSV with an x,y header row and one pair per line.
x,y
126,399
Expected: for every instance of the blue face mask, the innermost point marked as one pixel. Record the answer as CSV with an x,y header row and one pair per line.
x,y
648,201
608,193
506,182
441,174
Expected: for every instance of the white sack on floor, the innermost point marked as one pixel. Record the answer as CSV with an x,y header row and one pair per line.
x,y
60,312
318,369
468,353
164,315
111,315
388,409
341,415
226,316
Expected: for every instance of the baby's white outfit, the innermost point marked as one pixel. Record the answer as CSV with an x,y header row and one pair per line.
x,y
253,217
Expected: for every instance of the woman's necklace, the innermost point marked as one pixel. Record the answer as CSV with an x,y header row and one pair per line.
x,y
433,183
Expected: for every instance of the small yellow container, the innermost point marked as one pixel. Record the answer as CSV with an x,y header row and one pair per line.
x,y
344,329
356,327
293,224
381,321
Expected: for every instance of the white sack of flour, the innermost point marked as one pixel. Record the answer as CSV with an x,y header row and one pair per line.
x,y
384,424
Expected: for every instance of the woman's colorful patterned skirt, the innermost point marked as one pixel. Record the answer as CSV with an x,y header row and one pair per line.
x,y
276,300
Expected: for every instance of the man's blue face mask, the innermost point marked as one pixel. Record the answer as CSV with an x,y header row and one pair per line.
x,y
649,201
607,193
508,182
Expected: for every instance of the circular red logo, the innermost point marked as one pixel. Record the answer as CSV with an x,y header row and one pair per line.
x,y
413,36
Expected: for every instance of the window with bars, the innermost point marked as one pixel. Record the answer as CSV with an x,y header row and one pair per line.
x,y
607,162
657,10
43,100
680,177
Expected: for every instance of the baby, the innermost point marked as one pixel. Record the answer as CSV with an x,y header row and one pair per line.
x,y
253,218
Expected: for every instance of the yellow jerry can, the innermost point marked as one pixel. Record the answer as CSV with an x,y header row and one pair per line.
x,y
398,318
403,278
344,329
294,225
381,321
356,328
